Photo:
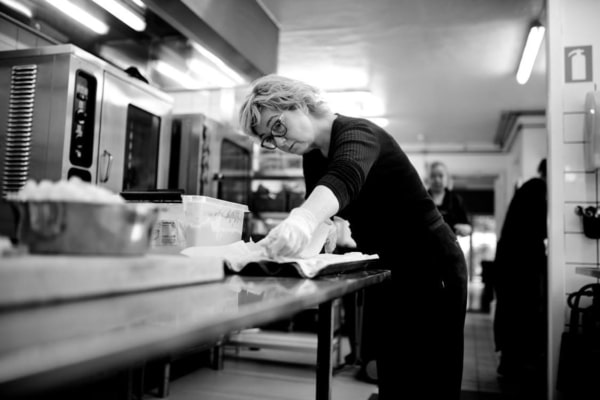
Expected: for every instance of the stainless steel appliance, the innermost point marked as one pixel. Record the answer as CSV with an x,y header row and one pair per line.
x,y
211,159
65,112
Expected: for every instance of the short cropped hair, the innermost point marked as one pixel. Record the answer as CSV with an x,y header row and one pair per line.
x,y
279,93
541,169
436,164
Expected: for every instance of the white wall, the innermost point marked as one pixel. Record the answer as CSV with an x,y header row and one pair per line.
x,y
535,148
15,37
570,23
218,104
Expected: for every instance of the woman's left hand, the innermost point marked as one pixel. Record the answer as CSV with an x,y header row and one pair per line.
x,y
331,241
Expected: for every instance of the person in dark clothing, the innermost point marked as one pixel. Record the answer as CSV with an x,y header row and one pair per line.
x,y
356,170
520,269
448,202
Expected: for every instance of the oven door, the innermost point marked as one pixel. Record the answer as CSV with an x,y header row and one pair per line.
x,y
134,139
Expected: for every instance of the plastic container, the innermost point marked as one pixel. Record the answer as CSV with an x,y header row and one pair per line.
x,y
212,222
168,234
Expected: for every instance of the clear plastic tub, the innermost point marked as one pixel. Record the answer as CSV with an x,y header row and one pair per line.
x,y
168,234
212,222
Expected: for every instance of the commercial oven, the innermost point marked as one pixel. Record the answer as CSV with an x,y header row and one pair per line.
x,y
210,158
65,112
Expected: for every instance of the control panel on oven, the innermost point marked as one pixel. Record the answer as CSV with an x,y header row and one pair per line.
x,y
81,151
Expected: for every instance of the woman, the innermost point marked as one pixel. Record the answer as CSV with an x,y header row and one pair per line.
x,y
449,203
354,169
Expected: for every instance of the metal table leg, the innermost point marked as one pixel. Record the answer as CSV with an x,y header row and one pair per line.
x,y
163,387
324,350
358,298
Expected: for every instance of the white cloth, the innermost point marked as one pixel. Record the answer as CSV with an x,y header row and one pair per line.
x,y
239,254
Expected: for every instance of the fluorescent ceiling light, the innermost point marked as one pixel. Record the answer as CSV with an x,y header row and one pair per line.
x,y
176,74
532,46
139,3
18,7
80,15
220,64
123,13
209,75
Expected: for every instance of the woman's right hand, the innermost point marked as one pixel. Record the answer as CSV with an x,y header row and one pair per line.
x,y
292,235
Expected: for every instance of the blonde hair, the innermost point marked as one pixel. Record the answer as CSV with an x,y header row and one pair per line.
x,y
279,93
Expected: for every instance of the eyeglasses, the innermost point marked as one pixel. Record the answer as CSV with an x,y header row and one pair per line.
x,y
278,129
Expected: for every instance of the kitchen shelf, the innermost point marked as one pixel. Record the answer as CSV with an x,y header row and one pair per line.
x,y
293,341
589,271
257,177
288,341
283,177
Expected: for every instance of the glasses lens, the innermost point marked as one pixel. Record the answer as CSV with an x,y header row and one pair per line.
x,y
268,143
278,129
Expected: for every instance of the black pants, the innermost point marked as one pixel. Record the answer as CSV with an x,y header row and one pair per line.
x,y
418,331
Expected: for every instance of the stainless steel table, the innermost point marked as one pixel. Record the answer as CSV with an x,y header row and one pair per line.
x,y
48,346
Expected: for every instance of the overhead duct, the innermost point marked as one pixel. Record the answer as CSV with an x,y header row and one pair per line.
x,y
238,32
512,121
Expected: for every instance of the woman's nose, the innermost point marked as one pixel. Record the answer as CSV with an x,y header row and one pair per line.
x,y
279,140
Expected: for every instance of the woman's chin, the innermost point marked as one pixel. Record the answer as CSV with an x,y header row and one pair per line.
x,y
296,148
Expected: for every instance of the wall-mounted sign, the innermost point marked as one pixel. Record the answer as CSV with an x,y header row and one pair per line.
x,y
578,64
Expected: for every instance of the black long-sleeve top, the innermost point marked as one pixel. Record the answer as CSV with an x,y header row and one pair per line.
x,y
391,214
521,248
379,191
453,209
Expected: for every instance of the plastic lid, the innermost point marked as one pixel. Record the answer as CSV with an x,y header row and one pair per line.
x,y
212,200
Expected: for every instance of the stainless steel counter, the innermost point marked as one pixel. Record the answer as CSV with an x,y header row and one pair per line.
x,y
44,347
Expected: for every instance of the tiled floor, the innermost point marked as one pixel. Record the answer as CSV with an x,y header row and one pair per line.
x,y
265,380
283,375
480,380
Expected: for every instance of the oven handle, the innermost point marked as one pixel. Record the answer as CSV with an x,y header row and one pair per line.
x,y
107,156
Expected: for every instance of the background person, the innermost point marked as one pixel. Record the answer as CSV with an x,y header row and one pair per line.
x,y
449,203
520,269
355,169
